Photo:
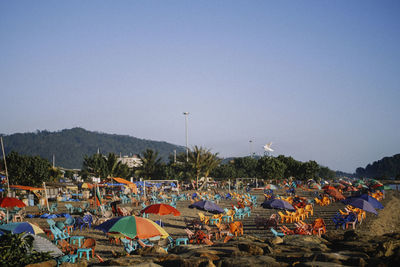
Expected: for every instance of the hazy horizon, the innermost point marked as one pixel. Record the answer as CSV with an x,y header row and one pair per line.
x,y
319,79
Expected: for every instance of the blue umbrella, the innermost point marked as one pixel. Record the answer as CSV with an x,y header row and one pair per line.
x,y
371,200
20,227
277,204
362,204
207,206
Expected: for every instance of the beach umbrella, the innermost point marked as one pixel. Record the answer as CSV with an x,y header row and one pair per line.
x,y
328,187
271,186
333,192
11,202
41,244
363,205
371,200
132,227
161,209
207,205
315,186
20,227
277,204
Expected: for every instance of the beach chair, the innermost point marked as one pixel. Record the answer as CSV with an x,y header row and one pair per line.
x,y
351,219
189,233
285,218
53,208
247,211
275,233
144,243
339,221
319,227
236,228
212,232
204,219
173,204
129,246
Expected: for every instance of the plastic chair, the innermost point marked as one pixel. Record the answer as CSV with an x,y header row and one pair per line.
x,y
275,233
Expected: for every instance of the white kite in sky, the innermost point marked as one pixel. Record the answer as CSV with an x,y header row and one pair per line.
x,y
268,148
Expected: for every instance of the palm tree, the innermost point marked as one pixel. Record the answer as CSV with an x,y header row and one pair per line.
x,y
150,163
201,161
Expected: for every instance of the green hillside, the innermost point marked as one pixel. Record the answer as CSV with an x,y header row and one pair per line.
x,y
385,168
70,145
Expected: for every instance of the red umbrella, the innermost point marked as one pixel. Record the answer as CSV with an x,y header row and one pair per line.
x,y
10,202
161,209
328,187
335,193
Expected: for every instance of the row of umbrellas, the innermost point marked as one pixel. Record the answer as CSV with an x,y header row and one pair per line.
x,y
364,202
143,228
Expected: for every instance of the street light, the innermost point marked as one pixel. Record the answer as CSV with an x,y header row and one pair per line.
x,y
186,131
251,150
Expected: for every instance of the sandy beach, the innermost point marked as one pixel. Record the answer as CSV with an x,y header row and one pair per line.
x,y
387,222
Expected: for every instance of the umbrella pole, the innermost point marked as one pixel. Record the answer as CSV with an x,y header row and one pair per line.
x,y
7,215
45,193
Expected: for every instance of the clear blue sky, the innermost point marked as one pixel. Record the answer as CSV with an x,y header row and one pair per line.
x,y
320,79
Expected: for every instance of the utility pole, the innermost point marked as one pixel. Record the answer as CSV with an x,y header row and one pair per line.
x,y
174,155
5,167
186,130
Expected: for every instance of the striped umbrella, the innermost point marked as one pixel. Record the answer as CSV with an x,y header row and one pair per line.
x,y
132,227
20,227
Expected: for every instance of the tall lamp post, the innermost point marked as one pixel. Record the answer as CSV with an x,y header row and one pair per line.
x,y
186,131
251,150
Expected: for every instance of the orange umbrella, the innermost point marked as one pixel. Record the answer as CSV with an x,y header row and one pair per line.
x,y
161,209
328,187
335,193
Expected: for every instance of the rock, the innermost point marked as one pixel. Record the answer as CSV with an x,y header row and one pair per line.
x,y
356,261
315,243
80,263
50,263
210,256
179,261
131,261
249,262
350,236
332,257
248,238
318,264
276,240
150,250
251,248
333,236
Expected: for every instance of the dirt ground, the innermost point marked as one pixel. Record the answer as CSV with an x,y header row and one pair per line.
x,y
388,220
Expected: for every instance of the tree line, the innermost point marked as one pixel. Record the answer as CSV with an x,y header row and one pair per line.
x,y
385,168
199,162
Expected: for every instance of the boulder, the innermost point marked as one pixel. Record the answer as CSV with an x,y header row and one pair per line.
x,y
350,236
131,261
50,263
151,251
251,248
318,264
276,240
315,243
249,262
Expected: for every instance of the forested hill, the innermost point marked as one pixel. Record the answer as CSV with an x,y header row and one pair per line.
x,y
387,167
70,145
